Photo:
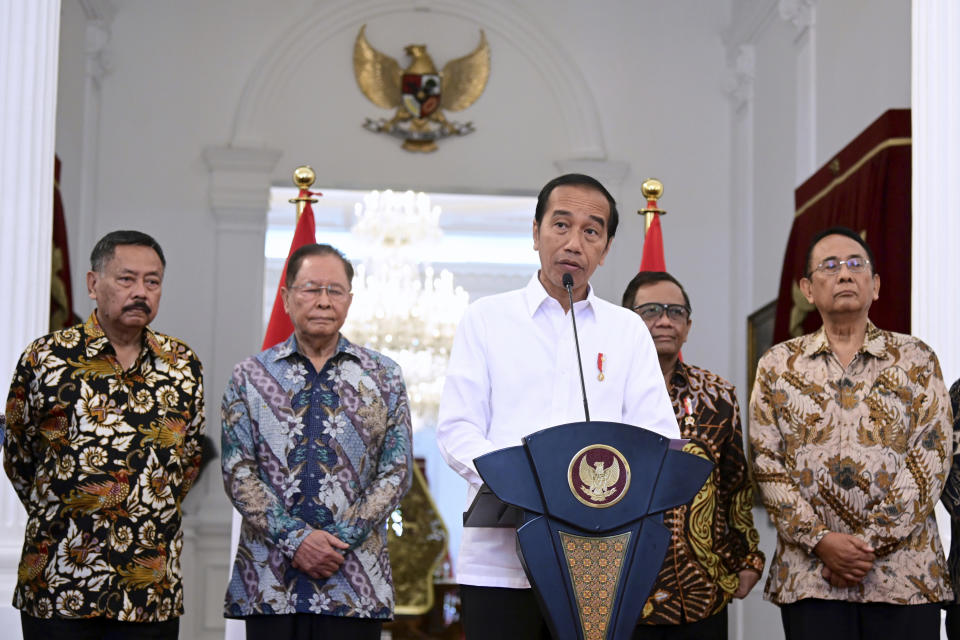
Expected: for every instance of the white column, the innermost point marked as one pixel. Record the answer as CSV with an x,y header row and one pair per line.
x,y
29,40
100,15
801,14
935,102
239,199
740,91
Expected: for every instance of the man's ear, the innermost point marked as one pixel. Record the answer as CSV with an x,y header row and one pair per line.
x,y
806,288
92,277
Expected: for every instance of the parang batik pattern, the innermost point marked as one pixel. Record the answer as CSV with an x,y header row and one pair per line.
x,y
863,450
713,537
951,494
102,458
306,450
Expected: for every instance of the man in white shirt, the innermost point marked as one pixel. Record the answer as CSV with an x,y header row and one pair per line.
x,y
513,371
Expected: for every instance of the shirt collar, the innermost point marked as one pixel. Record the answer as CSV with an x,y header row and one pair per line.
x,y
288,347
680,374
535,295
874,343
96,340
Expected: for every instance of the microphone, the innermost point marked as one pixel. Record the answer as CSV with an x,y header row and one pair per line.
x,y
568,285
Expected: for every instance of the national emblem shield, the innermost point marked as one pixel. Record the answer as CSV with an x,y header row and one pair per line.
x,y
421,93
599,476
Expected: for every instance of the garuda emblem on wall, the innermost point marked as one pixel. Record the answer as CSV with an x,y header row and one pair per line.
x,y
420,93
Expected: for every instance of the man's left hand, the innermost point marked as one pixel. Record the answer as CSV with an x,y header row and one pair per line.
x,y
748,578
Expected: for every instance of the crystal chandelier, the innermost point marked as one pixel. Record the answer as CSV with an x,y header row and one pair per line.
x,y
401,306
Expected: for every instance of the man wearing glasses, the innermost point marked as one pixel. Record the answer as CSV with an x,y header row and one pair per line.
x,y
713,555
317,451
851,439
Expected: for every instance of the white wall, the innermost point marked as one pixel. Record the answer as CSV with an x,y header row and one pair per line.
x,y
639,89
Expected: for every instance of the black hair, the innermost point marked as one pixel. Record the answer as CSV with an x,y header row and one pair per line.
x,y
645,278
104,249
838,231
578,179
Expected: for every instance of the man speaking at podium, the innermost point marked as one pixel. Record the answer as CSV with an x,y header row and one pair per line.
x,y
513,370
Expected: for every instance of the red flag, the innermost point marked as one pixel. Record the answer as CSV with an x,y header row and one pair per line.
x,y
652,259
280,326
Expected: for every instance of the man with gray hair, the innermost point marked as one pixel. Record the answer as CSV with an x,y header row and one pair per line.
x,y
317,451
103,442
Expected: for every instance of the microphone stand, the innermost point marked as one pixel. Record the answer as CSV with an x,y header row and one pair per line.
x,y
568,285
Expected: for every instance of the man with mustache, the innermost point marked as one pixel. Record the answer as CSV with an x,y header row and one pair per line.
x,y
851,437
513,370
713,555
104,426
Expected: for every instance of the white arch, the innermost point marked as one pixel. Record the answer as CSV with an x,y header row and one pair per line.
x,y
274,69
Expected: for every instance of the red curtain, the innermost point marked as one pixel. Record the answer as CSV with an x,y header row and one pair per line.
x,y
61,294
866,187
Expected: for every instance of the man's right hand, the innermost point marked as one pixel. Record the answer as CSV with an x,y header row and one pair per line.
x,y
318,554
847,557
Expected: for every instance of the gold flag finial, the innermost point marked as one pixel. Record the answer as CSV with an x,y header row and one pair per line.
x,y
303,178
652,190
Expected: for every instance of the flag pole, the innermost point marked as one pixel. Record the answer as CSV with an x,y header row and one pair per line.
x,y
652,190
280,327
303,177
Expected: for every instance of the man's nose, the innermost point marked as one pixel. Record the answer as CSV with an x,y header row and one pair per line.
x,y
663,320
844,273
139,289
574,243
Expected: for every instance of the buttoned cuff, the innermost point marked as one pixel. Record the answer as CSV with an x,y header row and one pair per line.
x,y
756,561
811,540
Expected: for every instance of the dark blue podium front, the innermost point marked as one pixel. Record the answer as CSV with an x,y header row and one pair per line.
x,y
588,500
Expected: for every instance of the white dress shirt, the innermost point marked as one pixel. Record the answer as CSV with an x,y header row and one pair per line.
x,y
513,371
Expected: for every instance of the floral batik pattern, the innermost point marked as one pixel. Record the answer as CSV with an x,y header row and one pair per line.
x,y
307,450
863,450
712,537
102,458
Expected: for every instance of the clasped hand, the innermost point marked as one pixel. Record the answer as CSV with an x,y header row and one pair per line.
x,y
319,555
846,559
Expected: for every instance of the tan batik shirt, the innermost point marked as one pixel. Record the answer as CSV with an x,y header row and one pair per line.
x,y
863,450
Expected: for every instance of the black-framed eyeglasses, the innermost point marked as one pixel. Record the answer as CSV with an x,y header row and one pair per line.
x,y
652,311
309,291
831,266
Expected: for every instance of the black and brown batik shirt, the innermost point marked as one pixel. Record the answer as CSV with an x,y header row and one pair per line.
x,y
102,458
713,537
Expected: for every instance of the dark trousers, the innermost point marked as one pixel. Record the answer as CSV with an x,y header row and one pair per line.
x,y
310,626
712,628
953,621
490,613
812,619
96,629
